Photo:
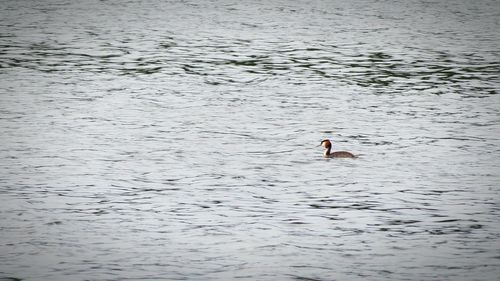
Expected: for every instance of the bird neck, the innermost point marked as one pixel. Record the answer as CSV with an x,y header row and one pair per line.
x,y
327,151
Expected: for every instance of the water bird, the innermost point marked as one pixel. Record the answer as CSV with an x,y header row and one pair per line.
x,y
336,154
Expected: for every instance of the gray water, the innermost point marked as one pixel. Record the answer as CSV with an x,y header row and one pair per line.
x,y
178,140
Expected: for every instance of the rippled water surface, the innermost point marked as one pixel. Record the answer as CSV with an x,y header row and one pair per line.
x,y
178,140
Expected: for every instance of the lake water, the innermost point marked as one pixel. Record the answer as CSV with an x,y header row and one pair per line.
x,y
178,140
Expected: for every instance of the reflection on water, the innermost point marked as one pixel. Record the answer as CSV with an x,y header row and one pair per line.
x,y
179,140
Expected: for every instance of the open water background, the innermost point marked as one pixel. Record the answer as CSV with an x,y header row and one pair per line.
x,y
177,140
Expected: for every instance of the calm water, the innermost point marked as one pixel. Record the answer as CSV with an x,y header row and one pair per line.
x,y
178,140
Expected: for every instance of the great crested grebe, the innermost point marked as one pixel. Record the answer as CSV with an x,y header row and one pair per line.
x,y
336,154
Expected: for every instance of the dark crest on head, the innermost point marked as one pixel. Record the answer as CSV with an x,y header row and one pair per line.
x,y
327,142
